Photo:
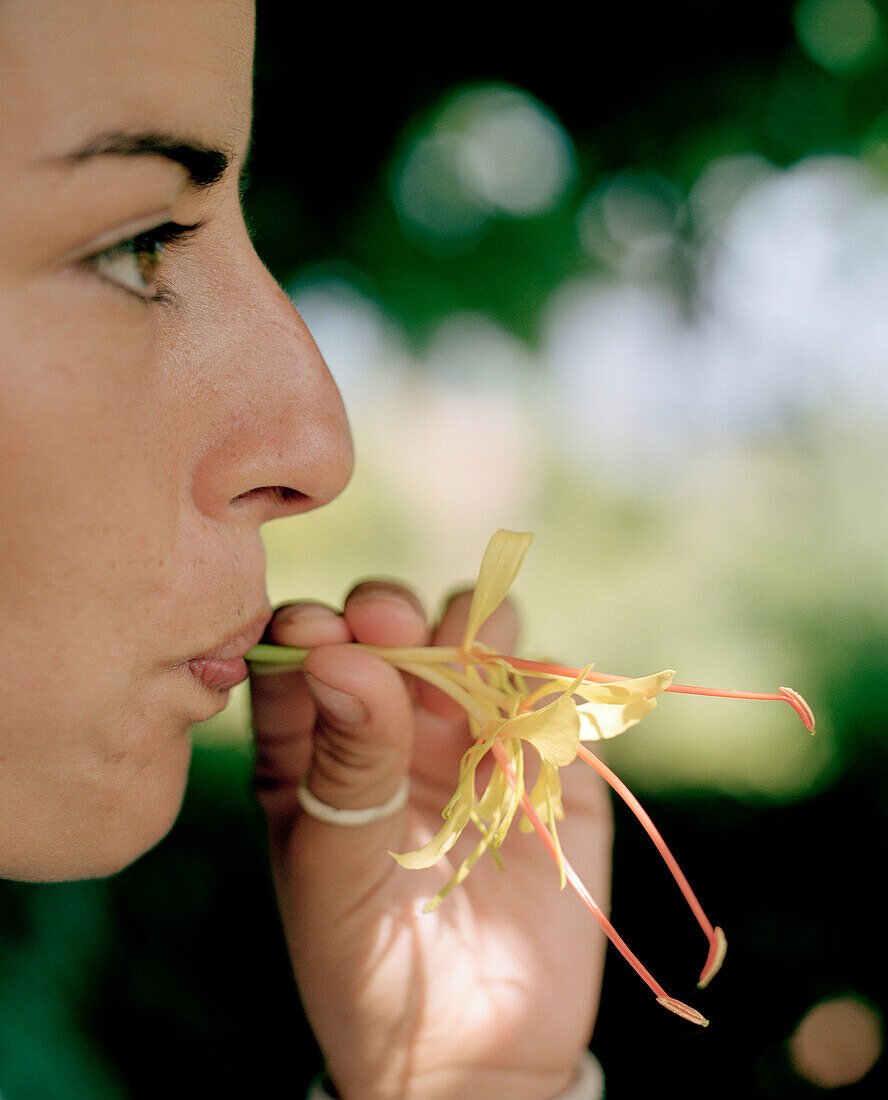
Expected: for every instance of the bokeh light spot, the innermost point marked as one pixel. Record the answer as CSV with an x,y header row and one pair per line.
x,y
519,158
837,1042
430,196
838,34
491,151
630,222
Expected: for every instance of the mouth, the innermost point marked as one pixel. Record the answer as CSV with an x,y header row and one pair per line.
x,y
223,666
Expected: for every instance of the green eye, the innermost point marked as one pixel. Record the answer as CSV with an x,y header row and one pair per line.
x,y
134,264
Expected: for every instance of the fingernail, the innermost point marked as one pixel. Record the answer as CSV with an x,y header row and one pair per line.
x,y
308,625
338,704
376,591
308,610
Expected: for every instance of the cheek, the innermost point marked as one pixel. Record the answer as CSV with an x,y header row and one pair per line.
x,y
94,753
87,492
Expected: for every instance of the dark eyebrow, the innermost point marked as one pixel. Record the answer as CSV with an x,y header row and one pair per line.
x,y
204,165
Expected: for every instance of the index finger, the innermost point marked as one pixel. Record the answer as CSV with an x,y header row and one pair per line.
x,y
500,632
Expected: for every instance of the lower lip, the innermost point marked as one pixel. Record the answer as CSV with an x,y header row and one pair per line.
x,y
217,674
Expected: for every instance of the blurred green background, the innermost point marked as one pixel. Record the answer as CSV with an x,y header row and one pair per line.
x,y
619,277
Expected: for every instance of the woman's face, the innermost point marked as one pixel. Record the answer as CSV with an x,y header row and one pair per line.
x,y
160,400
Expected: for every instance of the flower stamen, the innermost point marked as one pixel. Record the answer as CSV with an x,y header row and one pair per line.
x,y
591,904
784,695
716,938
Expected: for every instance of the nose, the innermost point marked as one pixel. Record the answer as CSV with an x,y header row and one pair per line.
x,y
274,438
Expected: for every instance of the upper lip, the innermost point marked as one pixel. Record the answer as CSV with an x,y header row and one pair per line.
x,y
238,644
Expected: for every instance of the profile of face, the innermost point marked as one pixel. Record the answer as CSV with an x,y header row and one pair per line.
x,y
160,400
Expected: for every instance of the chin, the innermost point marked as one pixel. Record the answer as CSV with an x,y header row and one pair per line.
x,y
140,818
101,829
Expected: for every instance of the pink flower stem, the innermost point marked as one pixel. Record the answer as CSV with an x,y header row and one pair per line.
x,y
636,807
591,904
714,935
572,877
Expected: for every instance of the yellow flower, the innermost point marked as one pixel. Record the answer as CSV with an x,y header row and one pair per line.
x,y
505,711
554,731
512,702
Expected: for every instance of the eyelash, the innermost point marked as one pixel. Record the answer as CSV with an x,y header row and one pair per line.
x,y
146,248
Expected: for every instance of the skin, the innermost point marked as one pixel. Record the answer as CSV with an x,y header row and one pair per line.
x,y
494,993
140,442
156,410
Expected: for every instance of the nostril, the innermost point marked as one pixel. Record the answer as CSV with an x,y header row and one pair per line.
x,y
279,494
288,495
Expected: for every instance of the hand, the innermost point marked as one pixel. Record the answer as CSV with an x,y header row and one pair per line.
x,y
494,993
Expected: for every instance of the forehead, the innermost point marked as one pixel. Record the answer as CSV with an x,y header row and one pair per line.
x,y
70,69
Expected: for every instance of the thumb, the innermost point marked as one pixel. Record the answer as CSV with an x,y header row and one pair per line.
x,y
361,753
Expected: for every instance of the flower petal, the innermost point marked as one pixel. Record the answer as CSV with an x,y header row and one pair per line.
x,y
499,568
545,797
497,793
553,730
457,814
546,800
622,691
498,805
599,721
441,843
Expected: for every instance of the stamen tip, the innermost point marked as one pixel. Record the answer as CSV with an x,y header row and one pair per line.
x,y
718,947
800,707
683,1010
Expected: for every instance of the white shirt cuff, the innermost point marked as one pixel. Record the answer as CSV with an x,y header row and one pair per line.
x,y
589,1084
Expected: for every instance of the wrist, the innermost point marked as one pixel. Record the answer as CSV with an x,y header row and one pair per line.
x,y
588,1084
